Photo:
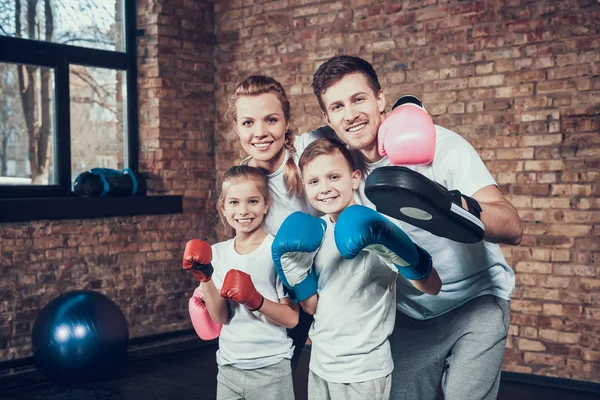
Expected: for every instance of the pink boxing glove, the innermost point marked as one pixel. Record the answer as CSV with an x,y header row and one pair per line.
x,y
407,135
205,327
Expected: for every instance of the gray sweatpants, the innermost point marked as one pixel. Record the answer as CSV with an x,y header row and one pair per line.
x,y
374,389
460,352
268,383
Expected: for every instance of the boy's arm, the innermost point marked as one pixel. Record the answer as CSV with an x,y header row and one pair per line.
x,y
430,285
360,228
310,305
294,250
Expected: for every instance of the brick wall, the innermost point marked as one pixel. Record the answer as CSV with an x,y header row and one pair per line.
x,y
518,79
133,260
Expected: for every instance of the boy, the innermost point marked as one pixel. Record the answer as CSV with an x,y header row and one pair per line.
x,y
354,310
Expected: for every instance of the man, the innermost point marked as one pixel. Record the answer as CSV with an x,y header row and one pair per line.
x,y
455,339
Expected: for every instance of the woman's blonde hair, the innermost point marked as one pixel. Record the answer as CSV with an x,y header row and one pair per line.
x,y
242,173
255,85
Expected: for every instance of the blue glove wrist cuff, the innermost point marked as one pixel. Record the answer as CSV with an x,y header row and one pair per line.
x,y
419,271
306,288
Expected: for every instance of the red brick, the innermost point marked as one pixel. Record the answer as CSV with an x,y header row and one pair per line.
x,y
592,313
516,368
490,80
533,267
549,165
543,359
530,345
526,307
541,294
531,189
557,86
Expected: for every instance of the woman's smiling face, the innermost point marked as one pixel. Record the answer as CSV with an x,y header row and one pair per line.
x,y
261,127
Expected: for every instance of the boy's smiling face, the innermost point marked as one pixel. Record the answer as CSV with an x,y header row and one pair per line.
x,y
330,183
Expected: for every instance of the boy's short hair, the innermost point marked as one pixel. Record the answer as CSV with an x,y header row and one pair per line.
x,y
336,68
325,146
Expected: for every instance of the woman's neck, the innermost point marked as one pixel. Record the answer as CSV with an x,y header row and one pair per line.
x,y
247,242
271,165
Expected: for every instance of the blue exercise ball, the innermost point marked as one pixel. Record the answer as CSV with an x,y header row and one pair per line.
x,y
80,335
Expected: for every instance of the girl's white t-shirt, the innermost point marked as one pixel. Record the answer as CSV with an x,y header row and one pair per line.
x,y
249,340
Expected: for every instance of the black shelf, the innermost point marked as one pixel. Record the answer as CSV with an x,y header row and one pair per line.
x,y
60,208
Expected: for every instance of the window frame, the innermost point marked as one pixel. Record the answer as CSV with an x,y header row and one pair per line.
x,y
60,57
19,203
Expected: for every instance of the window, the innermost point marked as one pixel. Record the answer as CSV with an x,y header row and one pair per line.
x,y
68,89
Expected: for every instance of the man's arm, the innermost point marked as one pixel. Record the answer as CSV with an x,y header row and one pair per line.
x,y
501,220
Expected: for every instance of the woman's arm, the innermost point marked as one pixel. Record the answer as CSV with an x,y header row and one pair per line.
x,y
217,306
283,313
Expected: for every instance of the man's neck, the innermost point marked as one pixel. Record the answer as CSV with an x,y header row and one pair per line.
x,y
371,154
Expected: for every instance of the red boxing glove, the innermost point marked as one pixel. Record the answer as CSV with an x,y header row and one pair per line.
x,y
238,287
407,135
197,257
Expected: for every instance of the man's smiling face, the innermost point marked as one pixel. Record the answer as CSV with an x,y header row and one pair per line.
x,y
354,111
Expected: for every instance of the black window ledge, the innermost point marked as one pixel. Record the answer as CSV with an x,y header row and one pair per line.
x,y
32,209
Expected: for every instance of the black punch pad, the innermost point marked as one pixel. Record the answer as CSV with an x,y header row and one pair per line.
x,y
413,198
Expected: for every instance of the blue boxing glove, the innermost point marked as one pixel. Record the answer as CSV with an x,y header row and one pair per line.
x,y
294,249
361,228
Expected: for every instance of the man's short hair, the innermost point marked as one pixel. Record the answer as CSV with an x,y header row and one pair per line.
x,y
336,68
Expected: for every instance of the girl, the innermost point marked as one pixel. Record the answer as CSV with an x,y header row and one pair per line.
x,y
243,292
259,116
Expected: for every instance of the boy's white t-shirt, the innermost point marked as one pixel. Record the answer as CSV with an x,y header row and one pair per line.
x,y
467,270
249,340
284,203
355,315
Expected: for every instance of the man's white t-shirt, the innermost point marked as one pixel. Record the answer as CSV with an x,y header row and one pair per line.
x,y
467,270
355,315
249,340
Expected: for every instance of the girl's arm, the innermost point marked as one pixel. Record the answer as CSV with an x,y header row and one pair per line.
x,y
197,259
217,306
238,287
283,313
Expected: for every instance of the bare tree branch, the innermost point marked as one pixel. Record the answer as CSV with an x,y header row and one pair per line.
x,y
45,99
89,100
76,39
97,87
18,18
